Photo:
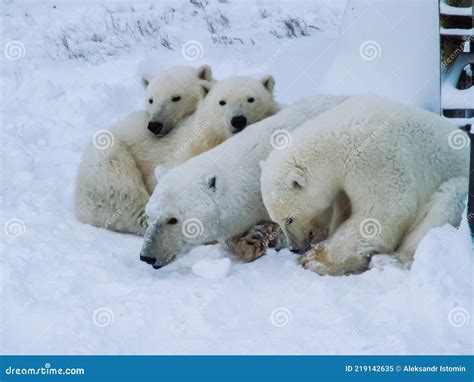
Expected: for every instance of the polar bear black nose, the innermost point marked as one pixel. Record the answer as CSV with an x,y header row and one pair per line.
x,y
238,123
148,260
155,127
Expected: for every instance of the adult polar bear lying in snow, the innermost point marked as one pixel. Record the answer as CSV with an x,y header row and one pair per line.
x,y
190,115
370,176
216,195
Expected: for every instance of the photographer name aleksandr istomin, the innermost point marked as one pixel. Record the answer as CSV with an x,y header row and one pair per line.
x,y
434,369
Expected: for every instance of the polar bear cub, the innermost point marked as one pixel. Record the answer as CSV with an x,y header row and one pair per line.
x,y
115,180
123,177
232,105
173,95
371,176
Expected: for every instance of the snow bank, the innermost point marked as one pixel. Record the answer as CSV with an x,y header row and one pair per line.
x,y
100,29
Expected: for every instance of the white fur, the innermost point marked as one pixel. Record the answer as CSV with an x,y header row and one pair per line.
x,y
388,167
234,204
183,82
235,92
115,184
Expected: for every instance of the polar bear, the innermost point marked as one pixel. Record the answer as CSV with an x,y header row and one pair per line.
x,y
216,195
371,176
232,105
116,173
173,95
115,183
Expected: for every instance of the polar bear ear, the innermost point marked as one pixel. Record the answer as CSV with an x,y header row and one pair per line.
x,y
214,185
296,180
268,83
160,171
211,183
204,72
146,79
205,87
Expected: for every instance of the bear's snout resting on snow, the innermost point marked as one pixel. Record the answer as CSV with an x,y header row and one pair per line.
x,y
221,198
370,176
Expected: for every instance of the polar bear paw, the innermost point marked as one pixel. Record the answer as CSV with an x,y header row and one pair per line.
x,y
253,244
322,259
317,260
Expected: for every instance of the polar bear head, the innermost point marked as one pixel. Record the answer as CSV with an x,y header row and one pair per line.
x,y
174,94
298,193
237,102
181,222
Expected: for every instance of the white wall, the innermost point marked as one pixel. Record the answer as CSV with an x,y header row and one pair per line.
x,y
401,55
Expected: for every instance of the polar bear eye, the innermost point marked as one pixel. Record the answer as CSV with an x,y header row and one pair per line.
x,y
250,100
222,103
173,221
176,99
150,101
288,221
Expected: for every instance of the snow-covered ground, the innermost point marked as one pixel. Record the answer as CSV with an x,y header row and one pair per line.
x,y
71,288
